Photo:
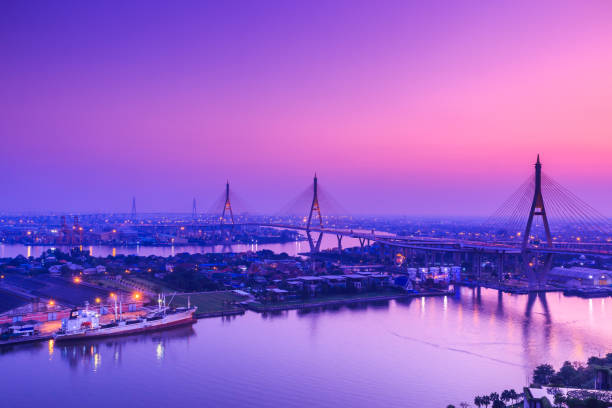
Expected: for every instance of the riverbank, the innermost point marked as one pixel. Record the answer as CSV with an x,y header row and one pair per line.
x,y
212,304
336,300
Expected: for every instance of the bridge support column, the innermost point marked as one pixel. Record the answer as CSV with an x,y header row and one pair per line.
x,y
315,247
456,256
500,266
477,265
339,237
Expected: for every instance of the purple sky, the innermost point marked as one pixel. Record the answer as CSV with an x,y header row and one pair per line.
x,y
401,108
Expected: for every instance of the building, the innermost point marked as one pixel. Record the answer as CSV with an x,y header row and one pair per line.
x,y
581,277
14,309
603,377
544,397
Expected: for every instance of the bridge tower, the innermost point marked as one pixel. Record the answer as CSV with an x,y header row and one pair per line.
x,y
227,207
194,212
315,210
133,208
537,273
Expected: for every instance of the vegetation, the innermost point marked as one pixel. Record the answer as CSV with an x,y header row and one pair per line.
x,y
210,302
573,375
570,375
187,279
497,400
581,398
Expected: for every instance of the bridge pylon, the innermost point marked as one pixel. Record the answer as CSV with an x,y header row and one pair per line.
x,y
315,210
227,207
133,215
537,271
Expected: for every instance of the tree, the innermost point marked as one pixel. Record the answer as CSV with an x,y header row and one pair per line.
x,y
513,396
494,396
505,396
464,405
542,374
498,404
478,401
486,400
450,406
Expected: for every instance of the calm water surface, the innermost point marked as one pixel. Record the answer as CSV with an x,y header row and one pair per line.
x,y
419,353
291,248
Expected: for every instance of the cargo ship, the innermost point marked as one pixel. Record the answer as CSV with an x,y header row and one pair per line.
x,y
85,324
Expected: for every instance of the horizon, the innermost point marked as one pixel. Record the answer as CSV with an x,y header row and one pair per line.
x,y
436,109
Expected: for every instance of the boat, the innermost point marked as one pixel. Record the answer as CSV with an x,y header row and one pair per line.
x,y
85,323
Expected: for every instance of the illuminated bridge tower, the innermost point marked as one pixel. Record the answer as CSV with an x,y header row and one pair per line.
x,y
315,210
227,207
537,270
133,209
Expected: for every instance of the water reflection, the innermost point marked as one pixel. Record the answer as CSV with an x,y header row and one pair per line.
x,y
348,353
292,248
89,353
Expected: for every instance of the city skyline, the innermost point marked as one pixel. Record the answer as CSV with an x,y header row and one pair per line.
x,y
401,108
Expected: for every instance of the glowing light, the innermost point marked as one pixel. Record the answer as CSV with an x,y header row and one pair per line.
x,y
52,303
113,295
98,300
136,296
76,279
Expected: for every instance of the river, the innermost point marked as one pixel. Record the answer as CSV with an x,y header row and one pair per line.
x,y
425,352
292,248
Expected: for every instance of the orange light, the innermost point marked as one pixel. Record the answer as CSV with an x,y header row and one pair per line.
x,y
136,295
52,303
98,300
114,231
113,295
76,279
1,276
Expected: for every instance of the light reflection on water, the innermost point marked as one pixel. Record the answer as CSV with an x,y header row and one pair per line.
x,y
292,248
392,354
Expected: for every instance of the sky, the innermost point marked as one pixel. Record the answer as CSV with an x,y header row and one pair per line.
x,y
411,108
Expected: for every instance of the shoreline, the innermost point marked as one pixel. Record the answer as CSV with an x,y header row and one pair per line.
x,y
336,302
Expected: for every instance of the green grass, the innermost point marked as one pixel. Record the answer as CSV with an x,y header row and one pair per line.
x,y
209,302
328,298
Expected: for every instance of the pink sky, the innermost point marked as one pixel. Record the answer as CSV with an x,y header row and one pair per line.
x,y
401,108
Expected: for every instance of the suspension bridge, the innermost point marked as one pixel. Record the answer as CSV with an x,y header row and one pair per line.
x,y
539,220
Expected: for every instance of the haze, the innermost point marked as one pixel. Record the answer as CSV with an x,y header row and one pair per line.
x,y
400,107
